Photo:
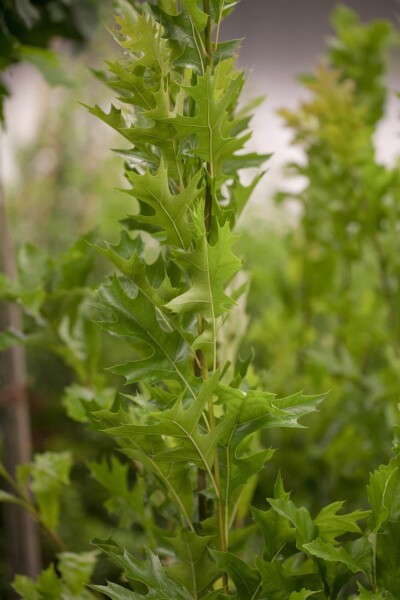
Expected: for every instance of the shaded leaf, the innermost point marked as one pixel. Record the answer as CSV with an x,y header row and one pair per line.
x,y
275,530
149,571
384,493
193,567
135,318
332,553
246,580
331,525
302,595
125,501
116,592
276,583
388,558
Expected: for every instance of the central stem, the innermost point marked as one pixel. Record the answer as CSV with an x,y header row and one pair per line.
x,y
208,224
209,63
207,33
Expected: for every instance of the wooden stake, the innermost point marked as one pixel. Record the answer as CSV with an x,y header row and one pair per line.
x,y
22,534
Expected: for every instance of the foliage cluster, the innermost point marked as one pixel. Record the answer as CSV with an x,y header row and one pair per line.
x,y
326,308
184,450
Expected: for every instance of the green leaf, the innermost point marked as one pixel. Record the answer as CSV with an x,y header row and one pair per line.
x,y
142,36
365,40
332,553
388,557
181,30
152,281
192,567
197,17
256,410
116,592
50,473
76,569
276,583
242,193
152,132
299,517
247,414
211,267
25,587
302,595
174,478
125,501
275,530
384,493
34,266
222,8
181,423
331,525
366,595
149,571
211,125
47,587
244,161
77,397
135,317
169,211
247,580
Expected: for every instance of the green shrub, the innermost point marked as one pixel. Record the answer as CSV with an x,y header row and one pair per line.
x,y
325,293
186,444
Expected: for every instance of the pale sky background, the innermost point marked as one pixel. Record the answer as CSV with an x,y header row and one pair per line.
x,y
284,38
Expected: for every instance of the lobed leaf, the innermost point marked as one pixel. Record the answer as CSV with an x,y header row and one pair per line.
x,y
384,494
211,125
247,580
134,315
192,566
275,530
388,557
170,212
331,553
211,268
150,572
116,592
331,525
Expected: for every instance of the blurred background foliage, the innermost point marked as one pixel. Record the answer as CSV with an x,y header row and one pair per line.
x,y
62,188
322,304
324,298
